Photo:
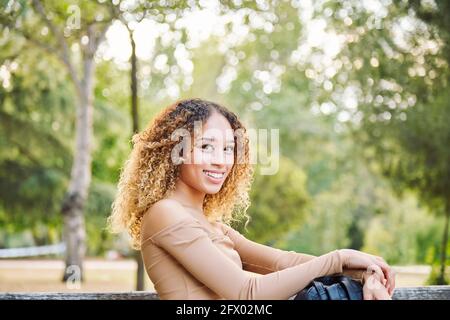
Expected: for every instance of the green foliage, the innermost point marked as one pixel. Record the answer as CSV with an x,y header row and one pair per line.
x,y
435,276
403,96
36,130
101,196
279,203
35,156
400,233
402,118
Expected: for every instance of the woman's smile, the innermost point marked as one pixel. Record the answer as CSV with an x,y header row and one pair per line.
x,y
214,176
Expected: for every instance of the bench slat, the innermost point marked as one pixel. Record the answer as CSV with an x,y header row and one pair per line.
x,y
422,293
132,295
407,293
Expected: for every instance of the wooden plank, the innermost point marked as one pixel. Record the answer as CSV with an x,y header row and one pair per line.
x,y
407,293
422,293
132,295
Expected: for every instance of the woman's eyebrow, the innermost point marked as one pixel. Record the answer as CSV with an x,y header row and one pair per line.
x,y
213,139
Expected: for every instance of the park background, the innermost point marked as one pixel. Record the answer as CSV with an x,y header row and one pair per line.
x,y
358,90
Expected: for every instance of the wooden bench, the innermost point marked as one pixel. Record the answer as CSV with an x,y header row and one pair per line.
x,y
407,293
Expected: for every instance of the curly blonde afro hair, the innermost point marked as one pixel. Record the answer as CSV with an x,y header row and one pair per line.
x,y
149,174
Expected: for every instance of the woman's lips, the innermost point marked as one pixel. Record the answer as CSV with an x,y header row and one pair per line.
x,y
214,176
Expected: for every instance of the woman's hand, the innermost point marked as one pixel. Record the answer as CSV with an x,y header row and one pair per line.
x,y
373,289
353,259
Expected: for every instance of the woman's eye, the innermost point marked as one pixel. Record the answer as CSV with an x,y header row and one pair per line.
x,y
229,149
207,147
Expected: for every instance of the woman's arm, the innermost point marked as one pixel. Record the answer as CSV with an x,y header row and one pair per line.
x,y
264,259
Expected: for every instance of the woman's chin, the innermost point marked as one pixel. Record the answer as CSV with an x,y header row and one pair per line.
x,y
212,189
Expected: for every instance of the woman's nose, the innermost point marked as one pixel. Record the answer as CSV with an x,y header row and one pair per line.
x,y
221,157
218,157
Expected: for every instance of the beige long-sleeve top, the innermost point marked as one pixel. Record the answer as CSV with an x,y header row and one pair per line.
x,y
187,260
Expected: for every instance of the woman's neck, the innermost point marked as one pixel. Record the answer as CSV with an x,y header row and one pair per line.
x,y
188,196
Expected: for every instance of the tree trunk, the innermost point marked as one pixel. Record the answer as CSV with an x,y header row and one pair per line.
x,y
134,85
135,119
441,279
74,233
140,271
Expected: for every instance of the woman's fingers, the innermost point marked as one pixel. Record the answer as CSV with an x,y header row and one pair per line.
x,y
389,273
374,264
358,259
374,290
376,270
382,294
390,276
391,282
367,295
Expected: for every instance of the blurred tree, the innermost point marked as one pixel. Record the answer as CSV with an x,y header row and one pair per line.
x,y
407,232
36,159
34,154
279,203
64,26
436,15
401,90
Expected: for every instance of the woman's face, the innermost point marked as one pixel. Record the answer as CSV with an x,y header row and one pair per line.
x,y
212,156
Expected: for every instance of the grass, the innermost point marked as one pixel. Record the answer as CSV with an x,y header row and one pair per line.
x,y
45,275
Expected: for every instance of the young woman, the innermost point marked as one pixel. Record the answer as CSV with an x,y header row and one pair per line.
x,y
182,186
